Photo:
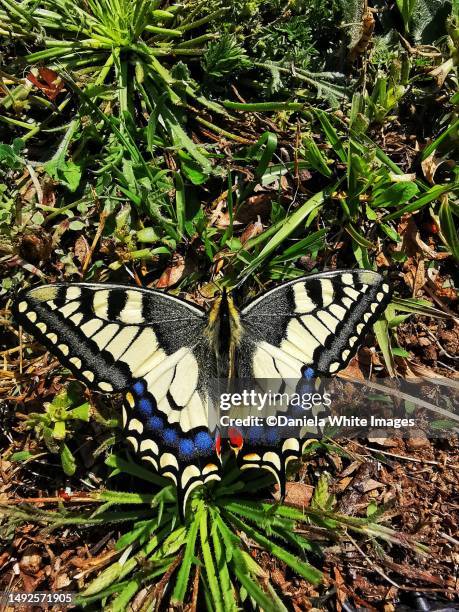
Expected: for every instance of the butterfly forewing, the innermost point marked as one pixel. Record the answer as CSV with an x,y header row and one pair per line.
x,y
316,321
108,335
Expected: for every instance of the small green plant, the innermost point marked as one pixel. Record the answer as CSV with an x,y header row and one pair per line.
x,y
224,57
388,91
6,210
57,422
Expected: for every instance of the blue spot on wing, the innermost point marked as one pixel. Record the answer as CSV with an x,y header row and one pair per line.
x,y
306,384
272,435
255,434
145,407
203,441
155,422
139,387
169,436
186,447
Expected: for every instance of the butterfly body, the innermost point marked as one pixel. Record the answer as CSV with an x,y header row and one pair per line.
x,y
224,332
163,353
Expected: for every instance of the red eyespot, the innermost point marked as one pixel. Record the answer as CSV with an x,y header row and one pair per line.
x,y
235,437
218,444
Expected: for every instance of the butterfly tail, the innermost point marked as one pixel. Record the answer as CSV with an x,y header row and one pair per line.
x,y
273,459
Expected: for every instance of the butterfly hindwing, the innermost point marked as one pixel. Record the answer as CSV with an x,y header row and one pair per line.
x,y
188,457
147,344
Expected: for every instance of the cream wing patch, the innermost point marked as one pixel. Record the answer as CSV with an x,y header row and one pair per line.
x,y
271,361
303,301
302,338
140,352
132,311
174,385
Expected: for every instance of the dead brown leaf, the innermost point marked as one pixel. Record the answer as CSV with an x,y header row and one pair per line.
x,y
382,261
343,484
173,273
297,494
414,274
81,248
31,561
47,80
258,205
341,590
352,370
252,230
220,217
429,166
370,485
408,229
35,247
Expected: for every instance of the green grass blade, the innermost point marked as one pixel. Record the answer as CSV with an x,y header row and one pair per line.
x,y
357,236
422,307
381,330
302,568
120,497
267,143
452,129
16,8
252,588
223,571
263,106
211,570
287,227
449,228
258,514
180,202
316,159
181,138
332,135
183,576
129,467
313,241
120,604
263,150
141,529
257,240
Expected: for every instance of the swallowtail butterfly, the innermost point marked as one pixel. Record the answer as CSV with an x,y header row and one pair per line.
x,y
162,352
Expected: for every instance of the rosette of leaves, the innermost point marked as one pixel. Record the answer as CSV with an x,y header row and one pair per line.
x,y
214,559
